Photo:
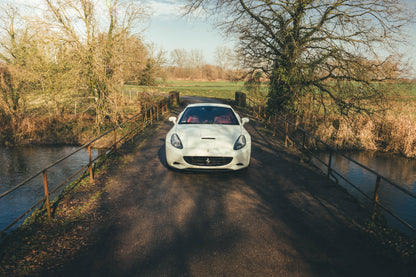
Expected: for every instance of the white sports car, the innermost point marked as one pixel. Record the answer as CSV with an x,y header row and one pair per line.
x,y
208,136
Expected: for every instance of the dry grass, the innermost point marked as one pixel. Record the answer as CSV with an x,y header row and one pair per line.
x,y
393,132
74,124
45,129
400,135
348,134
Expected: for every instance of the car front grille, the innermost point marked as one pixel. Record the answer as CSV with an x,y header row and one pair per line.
x,y
207,161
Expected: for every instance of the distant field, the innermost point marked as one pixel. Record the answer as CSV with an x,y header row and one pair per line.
x,y
226,89
221,89
216,89
402,96
404,89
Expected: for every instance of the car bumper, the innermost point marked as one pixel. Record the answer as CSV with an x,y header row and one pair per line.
x,y
191,159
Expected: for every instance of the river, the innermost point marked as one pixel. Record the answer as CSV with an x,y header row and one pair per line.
x,y
398,169
19,163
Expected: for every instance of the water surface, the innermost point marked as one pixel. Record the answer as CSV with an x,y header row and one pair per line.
x,y
19,163
398,169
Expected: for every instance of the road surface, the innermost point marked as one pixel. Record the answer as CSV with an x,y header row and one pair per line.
x,y
277,218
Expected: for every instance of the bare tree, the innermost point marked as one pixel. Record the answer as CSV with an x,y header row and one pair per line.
x,y
9,99
21,53
224,57
10,52
39,62
154,65
186,64
9,39
196,59
179,58
97,40
131,54
327,49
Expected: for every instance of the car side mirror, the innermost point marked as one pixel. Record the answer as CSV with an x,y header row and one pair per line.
x,y
244,120
172,119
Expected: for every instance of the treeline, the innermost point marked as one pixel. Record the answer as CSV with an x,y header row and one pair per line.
x,y
191,65
63,57
61,75
184,64
205,72
58,69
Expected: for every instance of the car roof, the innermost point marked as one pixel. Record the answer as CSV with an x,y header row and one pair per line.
x,y
209,104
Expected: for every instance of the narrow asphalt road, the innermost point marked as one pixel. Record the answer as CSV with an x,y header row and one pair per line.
x,y
277,218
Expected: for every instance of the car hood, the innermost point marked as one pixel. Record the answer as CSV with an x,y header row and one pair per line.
x,y
209,137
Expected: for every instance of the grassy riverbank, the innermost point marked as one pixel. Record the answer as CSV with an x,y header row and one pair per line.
x,y
74,124
217,89
393,130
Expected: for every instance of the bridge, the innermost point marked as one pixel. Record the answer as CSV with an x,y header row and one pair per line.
x,y
279,217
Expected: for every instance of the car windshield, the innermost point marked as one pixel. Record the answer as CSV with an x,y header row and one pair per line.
x,y
208,115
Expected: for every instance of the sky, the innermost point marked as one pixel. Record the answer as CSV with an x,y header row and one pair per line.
x,y
168,29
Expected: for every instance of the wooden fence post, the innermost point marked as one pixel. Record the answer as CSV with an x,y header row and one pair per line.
x,y
329,163
304,140
115,139
375,199
274,123
45,186
90,164
240,98
174,98
286,133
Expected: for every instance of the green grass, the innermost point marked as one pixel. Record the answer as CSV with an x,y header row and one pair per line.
x,y
204,83
403,89
217,89
401,96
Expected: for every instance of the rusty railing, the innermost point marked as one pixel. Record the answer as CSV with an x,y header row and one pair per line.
x,y
118,135
295,135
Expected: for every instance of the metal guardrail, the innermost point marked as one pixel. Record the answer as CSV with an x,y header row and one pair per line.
x,y
292,133
142,119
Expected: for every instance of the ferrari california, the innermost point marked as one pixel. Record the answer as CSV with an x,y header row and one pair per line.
x,y
208,136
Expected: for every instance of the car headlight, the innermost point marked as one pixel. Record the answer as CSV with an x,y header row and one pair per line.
x,y
176,141
240,142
